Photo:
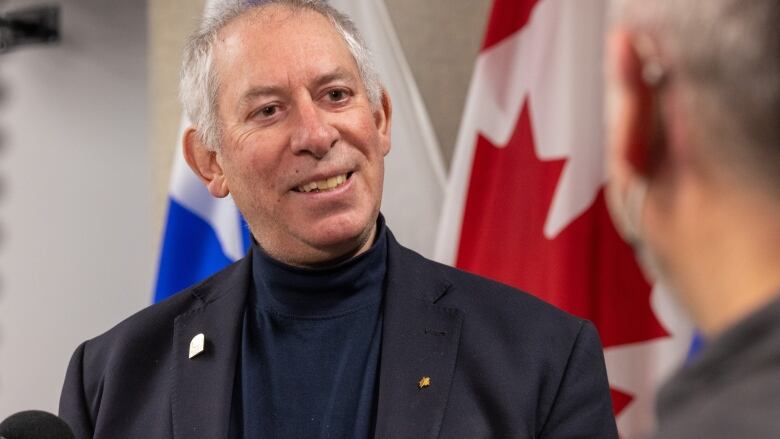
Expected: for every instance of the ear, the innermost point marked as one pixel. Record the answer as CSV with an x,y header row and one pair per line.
x,y
634,128
204,163
382,118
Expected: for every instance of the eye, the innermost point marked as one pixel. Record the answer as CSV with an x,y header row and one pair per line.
x,y
265,112
338,95
268,111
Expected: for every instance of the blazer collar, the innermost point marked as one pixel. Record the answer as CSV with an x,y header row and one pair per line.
x,y
419,347
203,385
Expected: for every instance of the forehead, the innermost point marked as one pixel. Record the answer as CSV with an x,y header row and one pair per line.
x,y
276,42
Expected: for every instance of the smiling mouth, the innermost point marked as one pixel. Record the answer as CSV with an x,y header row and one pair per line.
x,y
325,185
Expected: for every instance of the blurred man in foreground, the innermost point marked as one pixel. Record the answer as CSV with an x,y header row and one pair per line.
x,y
329,328
694,155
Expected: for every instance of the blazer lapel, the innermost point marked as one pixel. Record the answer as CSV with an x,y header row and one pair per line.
x,y
419,348
203,385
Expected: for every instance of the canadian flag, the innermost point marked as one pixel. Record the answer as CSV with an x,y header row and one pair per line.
x,y
525,202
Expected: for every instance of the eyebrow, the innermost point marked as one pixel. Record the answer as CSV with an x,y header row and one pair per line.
x,y
338,74
258,91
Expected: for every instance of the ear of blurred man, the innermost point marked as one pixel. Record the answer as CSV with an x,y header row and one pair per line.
x,y
635,123
635,128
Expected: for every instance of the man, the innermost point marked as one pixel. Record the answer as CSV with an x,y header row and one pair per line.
x,y
328,328
694,155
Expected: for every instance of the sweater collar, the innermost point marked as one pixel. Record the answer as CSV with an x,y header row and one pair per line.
x,y
320,292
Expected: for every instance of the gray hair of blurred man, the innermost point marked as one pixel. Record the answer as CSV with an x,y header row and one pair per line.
x,y
724,57
199,82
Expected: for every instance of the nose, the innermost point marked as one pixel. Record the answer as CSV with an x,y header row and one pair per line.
x,y
313,134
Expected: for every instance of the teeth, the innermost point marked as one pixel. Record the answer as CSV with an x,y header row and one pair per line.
x,y
324,185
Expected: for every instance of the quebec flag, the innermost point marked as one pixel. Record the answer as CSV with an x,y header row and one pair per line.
x,y
204,234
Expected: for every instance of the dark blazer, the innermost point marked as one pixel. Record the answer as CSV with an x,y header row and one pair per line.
x,y
501,363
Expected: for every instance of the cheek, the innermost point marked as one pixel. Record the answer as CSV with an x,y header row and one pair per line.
x,y
363,131
257,163
249,182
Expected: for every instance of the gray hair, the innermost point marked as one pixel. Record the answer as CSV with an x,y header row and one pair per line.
x,y
725,57
199,83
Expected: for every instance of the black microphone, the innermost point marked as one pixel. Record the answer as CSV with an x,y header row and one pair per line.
x,y
34,424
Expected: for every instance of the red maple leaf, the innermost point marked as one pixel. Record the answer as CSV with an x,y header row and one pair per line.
x,y
620,400
586,270
506,18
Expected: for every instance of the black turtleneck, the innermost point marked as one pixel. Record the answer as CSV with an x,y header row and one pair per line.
x,y
310,348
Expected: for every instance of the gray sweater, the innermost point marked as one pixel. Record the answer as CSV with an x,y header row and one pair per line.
x,y
732,390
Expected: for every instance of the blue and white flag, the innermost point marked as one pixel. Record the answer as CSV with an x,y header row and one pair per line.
x,y
204,234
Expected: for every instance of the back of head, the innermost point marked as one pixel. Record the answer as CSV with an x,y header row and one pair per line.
x,y
724,57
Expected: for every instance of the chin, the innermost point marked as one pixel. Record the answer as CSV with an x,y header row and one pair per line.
x,y
342,237
342,234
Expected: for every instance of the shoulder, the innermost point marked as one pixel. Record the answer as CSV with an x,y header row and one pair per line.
x,y
731,387
549,363
498,311
149,331
742,408
502,321
127,369
491,301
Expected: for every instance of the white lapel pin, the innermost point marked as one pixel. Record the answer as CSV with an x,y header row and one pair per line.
x,y
197,344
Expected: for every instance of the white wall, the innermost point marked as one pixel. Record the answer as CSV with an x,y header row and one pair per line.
x,y
77,252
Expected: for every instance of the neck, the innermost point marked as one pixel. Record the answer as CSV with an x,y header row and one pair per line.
x,y
723,253
295,290
322,257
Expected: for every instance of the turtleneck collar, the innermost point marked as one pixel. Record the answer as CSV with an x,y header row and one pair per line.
x,y
320,292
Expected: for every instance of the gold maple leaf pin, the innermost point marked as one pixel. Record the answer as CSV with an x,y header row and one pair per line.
x,y
424,382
